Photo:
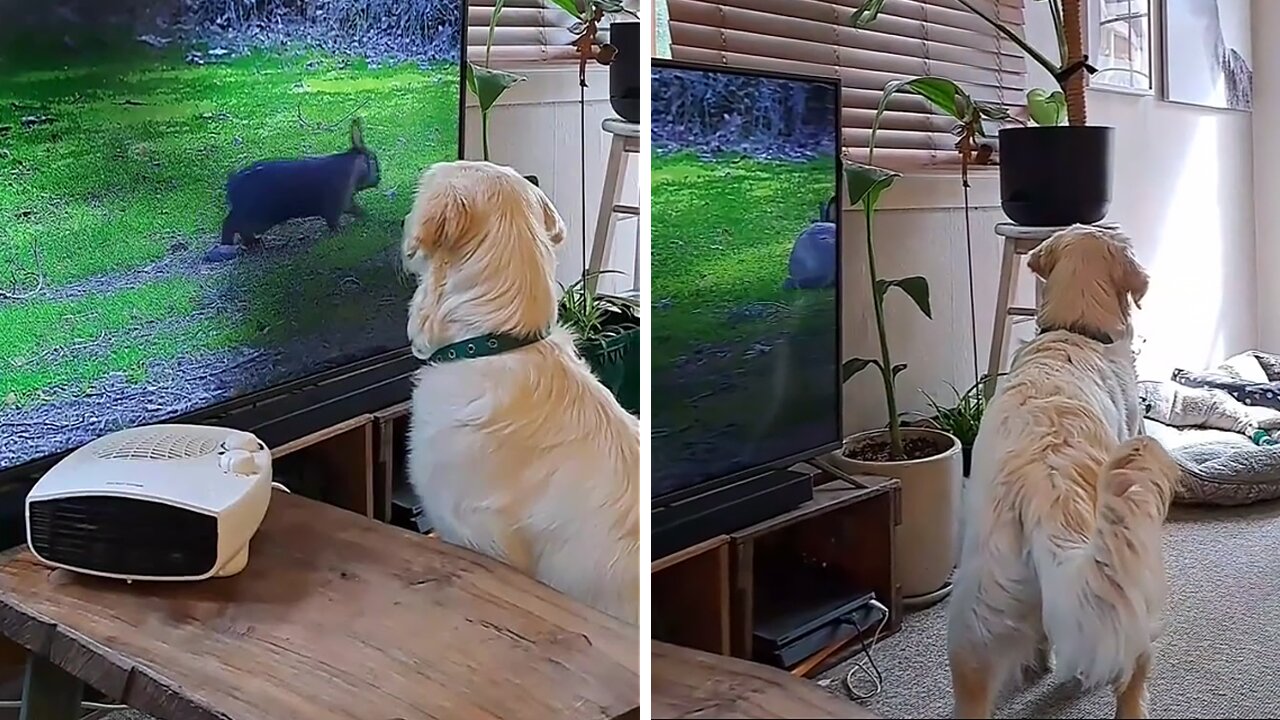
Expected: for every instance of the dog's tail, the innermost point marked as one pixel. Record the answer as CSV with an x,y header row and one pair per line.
x,y
1102,601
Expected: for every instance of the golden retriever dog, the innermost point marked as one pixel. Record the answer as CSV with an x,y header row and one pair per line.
x,y
522,455
1065,502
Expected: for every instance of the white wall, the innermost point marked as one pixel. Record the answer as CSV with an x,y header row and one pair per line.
x,y
1184,191
1266,171
536,128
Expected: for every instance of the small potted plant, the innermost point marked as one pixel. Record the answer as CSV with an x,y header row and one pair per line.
x,y
926,461
1051,174
608,336
961,419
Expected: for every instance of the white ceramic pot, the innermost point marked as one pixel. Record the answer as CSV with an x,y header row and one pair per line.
x,y
926,542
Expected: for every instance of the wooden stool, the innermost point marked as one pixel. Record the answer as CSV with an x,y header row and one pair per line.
x,y
1018,241
626,140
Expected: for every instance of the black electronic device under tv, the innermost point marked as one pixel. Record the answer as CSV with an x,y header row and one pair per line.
x,y
136,286
745,208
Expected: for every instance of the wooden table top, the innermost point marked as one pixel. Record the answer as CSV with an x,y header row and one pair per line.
x,y
336,616
694,684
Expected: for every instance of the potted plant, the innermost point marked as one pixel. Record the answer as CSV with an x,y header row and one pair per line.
x,y
926,461
1051,174
607,327
608,336
961,419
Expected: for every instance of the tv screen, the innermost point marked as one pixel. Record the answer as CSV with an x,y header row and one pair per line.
x,y
202,199
745,278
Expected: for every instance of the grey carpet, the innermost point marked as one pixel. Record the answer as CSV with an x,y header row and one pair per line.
x,y
1216,659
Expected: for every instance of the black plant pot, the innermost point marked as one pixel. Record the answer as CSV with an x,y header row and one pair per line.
x,y
1056,176
624,71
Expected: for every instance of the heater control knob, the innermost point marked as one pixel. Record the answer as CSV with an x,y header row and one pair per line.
x,y
238,441
240,462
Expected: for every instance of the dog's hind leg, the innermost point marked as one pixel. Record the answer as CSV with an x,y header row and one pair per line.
x,y
1131,695
992,621
974,680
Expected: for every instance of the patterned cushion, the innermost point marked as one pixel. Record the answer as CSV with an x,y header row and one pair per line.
x,y
1262,394
1270,364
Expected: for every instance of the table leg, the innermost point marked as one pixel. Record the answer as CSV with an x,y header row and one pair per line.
x,y
49,692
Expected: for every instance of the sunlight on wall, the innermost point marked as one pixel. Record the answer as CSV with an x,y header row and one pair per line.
x,y
1181,319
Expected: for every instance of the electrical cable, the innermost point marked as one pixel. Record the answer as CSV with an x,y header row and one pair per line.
x,y
872,672
281,487
17,705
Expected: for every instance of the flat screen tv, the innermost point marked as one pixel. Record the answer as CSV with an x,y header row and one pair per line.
x,y
745,274
202,204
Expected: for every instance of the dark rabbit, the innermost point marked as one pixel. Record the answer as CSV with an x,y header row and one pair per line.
x,y
812,264
270,192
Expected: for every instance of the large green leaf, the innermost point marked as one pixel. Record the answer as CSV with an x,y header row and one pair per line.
x,y
493,26
569,6
853,366
916,287
942,93
866,182
488,84
1047,108
867,13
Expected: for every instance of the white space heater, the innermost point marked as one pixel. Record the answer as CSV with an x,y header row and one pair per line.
x,y
159,502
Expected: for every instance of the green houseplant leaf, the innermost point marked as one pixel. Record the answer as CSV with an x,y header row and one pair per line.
x,y
916,287
865,183
569,6
488,84
1047,108
867,13
853,366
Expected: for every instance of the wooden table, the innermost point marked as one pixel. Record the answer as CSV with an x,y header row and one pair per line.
x,y
695,684
336,617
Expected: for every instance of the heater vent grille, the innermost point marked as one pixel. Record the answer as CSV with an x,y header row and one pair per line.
x,y
157,445
124,536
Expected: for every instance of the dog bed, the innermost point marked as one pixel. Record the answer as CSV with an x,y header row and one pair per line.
x,y
1221,427
1219,467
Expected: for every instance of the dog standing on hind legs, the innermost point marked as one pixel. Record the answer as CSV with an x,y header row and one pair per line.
x,y
1062,518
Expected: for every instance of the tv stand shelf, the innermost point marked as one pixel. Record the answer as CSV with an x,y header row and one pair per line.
x,y
847,530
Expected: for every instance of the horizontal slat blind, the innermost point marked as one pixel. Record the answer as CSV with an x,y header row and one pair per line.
x,y
911,37
528,31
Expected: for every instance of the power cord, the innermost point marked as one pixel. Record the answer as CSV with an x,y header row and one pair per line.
x,y
17,705
281,487
868,668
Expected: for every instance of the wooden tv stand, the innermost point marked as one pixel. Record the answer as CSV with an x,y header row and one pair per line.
x,y
709,597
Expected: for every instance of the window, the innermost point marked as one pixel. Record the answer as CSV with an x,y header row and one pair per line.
x,y
529,31
1121,30
911,37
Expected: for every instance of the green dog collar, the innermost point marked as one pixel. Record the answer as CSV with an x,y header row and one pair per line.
x,y
482,346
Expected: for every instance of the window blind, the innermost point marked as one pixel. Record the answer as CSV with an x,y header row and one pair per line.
x,y
911,37
528,31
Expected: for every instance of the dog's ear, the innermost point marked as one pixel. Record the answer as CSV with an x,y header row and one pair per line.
x,y
1043,258
1128,275
556,229
440,216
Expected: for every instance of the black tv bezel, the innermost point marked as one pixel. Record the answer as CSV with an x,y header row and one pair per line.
x,y
327,397
715,483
